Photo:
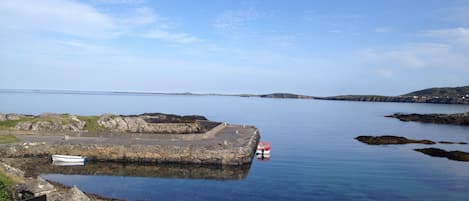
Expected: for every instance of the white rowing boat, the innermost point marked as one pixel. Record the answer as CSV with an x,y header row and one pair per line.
x,y
68,159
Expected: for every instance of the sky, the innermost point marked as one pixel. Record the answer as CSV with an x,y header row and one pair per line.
x,y
308,47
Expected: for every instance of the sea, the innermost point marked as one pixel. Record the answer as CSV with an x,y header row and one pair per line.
x,y
314,154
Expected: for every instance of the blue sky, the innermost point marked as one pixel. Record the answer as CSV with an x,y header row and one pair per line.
x,y
307,47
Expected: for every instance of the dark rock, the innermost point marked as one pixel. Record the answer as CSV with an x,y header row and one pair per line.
x,y
389,139
448,142
455,119
452,155
445,142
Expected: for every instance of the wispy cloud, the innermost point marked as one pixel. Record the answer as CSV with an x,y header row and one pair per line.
x,y
176,37
235,19
84,21
458,35
141,16
66,17
76,44
417,55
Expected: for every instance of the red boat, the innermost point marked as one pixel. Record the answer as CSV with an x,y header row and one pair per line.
x,y
263,148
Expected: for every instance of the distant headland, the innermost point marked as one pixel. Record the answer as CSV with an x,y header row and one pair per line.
x,y
444,95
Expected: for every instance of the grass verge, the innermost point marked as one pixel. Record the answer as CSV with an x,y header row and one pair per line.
x,y
8,139
8,124
92,123
5,183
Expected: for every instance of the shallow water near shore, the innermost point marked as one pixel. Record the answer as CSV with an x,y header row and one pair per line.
x,y
314,153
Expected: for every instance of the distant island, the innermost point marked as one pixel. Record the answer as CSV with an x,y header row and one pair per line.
x,y
444,95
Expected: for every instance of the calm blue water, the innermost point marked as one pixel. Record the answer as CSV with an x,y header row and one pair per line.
x,y
314,155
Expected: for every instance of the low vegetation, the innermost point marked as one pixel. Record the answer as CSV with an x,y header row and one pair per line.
x,y
92,123
7,139
442,92
5,183
9,124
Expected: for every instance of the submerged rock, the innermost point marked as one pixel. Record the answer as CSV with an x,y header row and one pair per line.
x,y
448,142
452,155
389,139
455,119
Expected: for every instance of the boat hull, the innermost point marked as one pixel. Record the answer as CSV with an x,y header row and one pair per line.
x,y
68,159
61,163
260,152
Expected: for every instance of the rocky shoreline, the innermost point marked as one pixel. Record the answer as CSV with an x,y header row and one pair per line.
x,y
401,99
28,187
461,119
445,95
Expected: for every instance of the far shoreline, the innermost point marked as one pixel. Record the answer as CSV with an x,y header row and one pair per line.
x,y
454,95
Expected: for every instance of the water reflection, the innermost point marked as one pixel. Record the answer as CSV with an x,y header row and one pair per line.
x,y
35,167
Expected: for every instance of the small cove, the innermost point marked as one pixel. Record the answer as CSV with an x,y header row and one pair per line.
x,y
314,153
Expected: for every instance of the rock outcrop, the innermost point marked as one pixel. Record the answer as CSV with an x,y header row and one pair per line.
x,y
455,119
11,116
389,139
452,155
143,123
52,122
404,99
154,123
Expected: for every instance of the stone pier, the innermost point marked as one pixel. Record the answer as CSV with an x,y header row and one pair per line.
x,y
225,144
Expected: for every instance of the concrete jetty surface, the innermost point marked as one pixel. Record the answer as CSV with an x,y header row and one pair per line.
x,y
225,144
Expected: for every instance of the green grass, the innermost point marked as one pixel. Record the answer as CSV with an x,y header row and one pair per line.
x,y
91,123
8,124
7,139
5,182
